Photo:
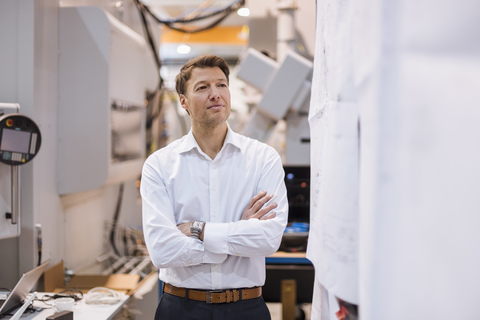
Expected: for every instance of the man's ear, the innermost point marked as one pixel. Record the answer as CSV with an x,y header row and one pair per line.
x,y
183,102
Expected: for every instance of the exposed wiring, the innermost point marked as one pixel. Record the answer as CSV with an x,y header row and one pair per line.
x,y
154,99
115,219
148,34
38,227
196,12
208,27
235,5
224,12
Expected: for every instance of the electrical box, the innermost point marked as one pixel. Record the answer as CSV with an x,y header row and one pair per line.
x,y
105,71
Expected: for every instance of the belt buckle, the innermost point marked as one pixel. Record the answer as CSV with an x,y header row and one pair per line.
x,y
209,295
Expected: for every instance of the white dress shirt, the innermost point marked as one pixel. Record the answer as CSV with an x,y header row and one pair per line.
x,y
180,183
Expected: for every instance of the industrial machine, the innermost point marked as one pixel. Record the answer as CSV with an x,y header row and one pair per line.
x,y
20,141
105,72
285,88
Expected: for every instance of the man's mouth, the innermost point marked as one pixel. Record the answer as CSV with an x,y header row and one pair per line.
x,y
216,106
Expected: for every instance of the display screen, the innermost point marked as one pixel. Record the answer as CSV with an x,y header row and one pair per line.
x,y
297,181
15,141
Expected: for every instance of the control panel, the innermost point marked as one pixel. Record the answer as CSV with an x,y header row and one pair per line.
x,y
20,139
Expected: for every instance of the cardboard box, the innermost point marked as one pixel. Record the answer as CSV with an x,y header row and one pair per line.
x,y
54,281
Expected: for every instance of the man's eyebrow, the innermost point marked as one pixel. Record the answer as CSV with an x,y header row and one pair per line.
x,y
206,81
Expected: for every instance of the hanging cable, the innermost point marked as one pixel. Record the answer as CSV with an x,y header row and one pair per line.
x,y
206,4
115,219
208,27
235,5
154,99
225,12
148,34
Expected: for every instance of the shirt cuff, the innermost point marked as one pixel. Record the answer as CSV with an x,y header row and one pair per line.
x,y
215,237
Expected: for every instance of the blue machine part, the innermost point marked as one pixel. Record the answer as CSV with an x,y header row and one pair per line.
x,y
297,227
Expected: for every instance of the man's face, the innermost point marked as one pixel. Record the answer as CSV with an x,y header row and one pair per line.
x,y
207,97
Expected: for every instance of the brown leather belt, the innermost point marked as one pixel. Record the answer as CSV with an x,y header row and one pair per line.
x,y
220,296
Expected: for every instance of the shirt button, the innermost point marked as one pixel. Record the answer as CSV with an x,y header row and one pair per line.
x,y
214,188
215,266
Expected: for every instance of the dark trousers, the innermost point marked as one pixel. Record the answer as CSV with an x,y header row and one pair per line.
x,y
175,308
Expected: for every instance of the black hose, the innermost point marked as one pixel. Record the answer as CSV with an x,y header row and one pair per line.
x,y
169,23
115,219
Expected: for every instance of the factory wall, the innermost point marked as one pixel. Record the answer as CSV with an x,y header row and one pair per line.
x,y
73,226
28,66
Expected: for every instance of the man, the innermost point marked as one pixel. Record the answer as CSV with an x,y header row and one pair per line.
x,y
208,201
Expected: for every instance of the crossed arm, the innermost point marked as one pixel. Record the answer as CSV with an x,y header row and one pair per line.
x,y
255,209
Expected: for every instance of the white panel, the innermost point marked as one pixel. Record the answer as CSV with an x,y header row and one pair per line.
x,y
285,85
102,62
84,115
7,229
259,126
9,56
302,97
256,69
333,118
417,74
297,140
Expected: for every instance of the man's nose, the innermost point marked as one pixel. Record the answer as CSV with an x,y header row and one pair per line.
x,y
214,93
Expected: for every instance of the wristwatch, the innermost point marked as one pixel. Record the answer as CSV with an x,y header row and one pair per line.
x,y
196,228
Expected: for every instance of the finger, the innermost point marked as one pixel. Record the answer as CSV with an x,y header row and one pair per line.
x,y
261,202
269,216
256,198
262,212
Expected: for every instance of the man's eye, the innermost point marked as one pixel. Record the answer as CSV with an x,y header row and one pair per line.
x,y
223,85
201,88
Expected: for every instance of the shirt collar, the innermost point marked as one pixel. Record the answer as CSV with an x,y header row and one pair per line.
x,y
232,138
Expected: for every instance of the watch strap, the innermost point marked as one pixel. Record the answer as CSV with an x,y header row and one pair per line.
x,y
196,228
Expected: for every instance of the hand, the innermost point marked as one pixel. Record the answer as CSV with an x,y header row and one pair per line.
x,y
256,210
185,229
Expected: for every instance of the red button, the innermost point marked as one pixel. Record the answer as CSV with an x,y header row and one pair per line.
x,y
9,122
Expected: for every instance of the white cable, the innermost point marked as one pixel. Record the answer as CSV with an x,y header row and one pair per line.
x,y
101,295
20,311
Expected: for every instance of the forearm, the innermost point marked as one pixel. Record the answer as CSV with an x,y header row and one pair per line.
x,y
261,233
186,229
167,245
244,238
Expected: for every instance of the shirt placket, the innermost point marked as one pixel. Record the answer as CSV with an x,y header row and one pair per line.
x,y
214,178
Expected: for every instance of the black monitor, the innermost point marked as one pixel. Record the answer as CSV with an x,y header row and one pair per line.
x,y
297,181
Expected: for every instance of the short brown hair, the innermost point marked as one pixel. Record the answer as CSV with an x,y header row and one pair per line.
x,y
205,61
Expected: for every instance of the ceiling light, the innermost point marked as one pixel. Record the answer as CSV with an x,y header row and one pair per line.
x,y
243,12
183,49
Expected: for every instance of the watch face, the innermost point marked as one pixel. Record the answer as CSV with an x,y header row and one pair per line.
x,y
196,227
